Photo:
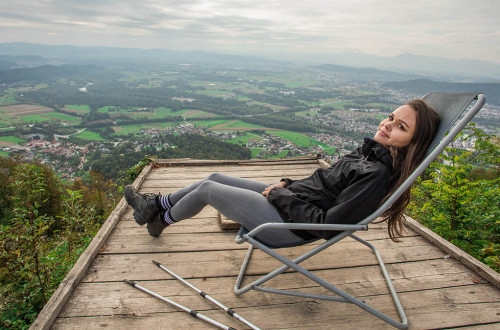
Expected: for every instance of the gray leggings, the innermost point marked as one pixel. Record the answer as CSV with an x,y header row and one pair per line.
x,y
240,200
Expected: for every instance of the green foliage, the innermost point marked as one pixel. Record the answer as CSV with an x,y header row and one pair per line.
x,y
459,197
40,242
132,173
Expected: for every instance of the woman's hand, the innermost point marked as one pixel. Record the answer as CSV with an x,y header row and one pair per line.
x,y
281,184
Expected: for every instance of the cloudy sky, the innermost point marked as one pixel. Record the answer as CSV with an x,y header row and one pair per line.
x,y
276,28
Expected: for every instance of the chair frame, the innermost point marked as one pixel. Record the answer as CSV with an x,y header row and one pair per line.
x,y
244,235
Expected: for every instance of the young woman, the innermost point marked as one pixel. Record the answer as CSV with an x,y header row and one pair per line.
x,y
345,193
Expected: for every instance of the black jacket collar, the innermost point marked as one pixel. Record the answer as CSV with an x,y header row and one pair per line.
x,y
376,151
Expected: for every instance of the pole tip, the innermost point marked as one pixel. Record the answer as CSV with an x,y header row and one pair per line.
x,y
156,263
130,282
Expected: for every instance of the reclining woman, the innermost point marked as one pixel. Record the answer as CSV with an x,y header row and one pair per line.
x,y
345,193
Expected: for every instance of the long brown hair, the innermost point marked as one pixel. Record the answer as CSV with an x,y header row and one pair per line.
x,y
406,160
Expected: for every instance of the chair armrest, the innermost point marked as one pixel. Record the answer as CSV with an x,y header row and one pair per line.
x,y
302,226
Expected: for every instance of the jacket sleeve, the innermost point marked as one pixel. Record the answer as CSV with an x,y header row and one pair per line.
x,y
287,181
361,197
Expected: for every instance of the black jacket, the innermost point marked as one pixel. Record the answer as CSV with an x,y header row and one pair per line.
x,y
345,193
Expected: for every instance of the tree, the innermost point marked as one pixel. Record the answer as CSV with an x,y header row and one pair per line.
x,y
459,199
38,243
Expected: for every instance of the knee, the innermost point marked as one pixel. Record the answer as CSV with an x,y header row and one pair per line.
x,y
214,177
207,188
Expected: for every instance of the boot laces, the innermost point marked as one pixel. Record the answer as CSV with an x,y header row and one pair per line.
x,y
149,196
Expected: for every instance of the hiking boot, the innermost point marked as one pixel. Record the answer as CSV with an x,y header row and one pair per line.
x,y
156,225
145,205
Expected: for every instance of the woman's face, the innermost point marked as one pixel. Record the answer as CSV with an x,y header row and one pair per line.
x,y
398,129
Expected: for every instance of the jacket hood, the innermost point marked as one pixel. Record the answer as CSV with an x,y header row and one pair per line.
x,y
373,149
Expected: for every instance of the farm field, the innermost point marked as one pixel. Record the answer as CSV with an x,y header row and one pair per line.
x,y
10,140
8,99
50,116
32,113
297,138
20,110
91,136
80,109
209,123
244,139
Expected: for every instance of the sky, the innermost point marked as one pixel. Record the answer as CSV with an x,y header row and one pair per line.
x,y
279,29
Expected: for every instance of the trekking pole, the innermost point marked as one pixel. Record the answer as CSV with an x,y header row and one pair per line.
x,y
185,309
209,298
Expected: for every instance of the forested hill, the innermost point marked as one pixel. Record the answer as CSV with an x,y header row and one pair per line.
x,y
423,86
176,146
48,72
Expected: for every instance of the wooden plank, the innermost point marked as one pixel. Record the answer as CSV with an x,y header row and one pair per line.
x,y
50,311
133,241
203,263
227,224
201,223
237,168
261,162
107,298
465,258
208,221
262,175
444,308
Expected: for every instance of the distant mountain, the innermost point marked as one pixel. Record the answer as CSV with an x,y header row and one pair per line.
x,y
22,61
368,72
91,54
6,65
436,67
47,72
424,86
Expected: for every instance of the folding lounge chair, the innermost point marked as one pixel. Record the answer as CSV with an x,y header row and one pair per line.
x,y
456,110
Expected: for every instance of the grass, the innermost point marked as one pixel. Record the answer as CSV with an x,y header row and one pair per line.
x,y
62,117
83,107
104,109
338,105
36,118
243,124
201,114
327,149
49,116
256,152
305,113
8,99
79,108
244,139
209,123
296,138
282,154
91,136
11,139
4,154
302,140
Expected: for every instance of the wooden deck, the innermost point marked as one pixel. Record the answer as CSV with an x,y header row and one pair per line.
x,y
436,290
